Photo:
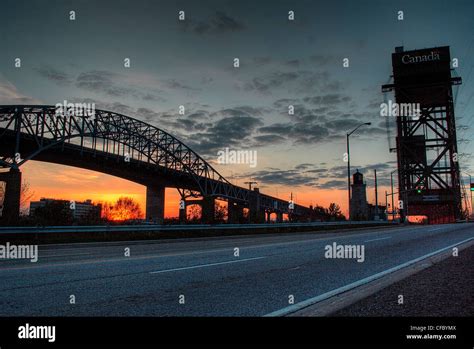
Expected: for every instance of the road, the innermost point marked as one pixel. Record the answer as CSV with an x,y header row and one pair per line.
x,y
262,279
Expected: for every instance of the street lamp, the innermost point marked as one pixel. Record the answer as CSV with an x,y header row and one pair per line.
x,y
349,164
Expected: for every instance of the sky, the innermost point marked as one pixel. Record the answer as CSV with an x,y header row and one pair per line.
x,y
190,63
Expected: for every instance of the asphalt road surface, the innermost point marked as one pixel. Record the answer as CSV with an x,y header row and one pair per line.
x,y
269,272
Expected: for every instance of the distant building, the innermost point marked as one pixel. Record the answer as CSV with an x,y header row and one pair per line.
x,y
359,207
381,212
360,210
83,210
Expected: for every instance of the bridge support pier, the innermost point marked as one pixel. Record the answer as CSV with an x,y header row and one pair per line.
x,y
257,214
235,212
155,203
208,210
268,216
11,201
182,214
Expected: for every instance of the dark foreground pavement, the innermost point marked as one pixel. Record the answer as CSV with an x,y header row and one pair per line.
x,y
444,289
228,276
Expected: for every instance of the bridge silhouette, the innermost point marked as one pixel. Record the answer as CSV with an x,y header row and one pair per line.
x,y
128,148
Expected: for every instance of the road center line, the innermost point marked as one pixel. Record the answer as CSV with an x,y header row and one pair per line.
x,y
64,255
388,237
205,265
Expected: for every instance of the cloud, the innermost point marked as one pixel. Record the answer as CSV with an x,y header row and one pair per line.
x,y
218,23
112,84
293,81
232,131
319,176
9,94
303,166
59,77
333,184
153,98
321,59
290,177
240,111
260,61
103,82
327,99
177,85
264,84
263,140
285,102
293,63
298,133
383,171
75,176
148,115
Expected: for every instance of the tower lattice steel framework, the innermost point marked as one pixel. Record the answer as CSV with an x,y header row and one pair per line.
x,y
426,145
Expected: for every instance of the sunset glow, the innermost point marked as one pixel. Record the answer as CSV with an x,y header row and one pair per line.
x,y
63,182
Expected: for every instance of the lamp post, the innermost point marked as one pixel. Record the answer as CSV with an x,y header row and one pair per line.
x,y
349,165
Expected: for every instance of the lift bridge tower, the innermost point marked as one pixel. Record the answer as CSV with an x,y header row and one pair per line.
x,y
426,146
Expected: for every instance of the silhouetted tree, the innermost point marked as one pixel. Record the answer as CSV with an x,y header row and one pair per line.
x,y
220,213
25,196
107,210
126,208
334,211
194,215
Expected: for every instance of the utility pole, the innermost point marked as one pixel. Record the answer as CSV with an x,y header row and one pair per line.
x,y
348,177
250,184
471,190
376,217
393,207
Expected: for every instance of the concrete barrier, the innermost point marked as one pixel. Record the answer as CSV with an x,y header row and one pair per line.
x,y
70,234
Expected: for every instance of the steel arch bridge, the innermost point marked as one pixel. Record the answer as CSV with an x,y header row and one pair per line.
x,y
119,145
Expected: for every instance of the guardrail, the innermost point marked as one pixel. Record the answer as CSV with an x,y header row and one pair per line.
x,y
170,228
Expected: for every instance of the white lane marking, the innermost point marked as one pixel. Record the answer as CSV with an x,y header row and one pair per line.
x,y
178,254
185,253
388,237
63,255
205,265
321,297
